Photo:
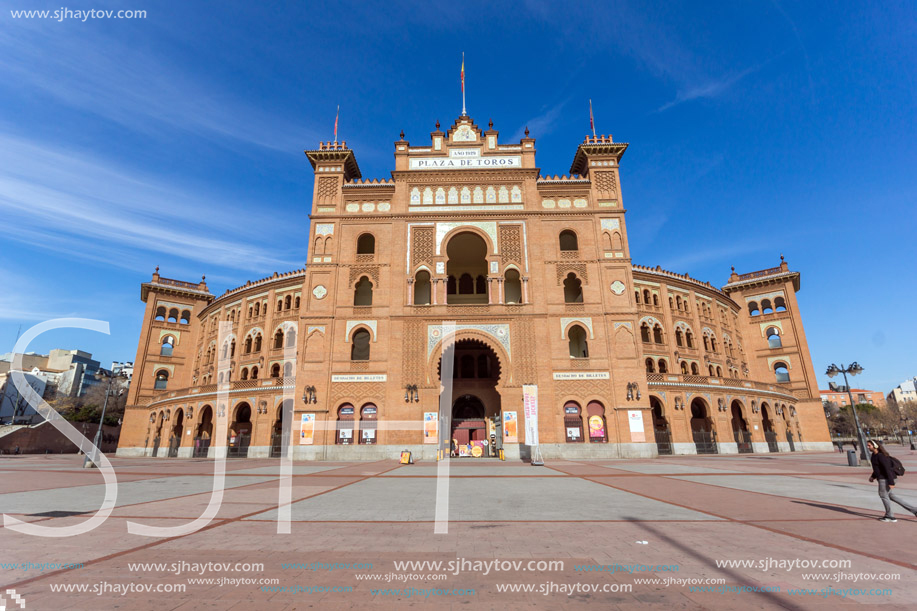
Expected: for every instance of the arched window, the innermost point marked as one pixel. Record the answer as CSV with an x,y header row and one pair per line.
x,y
366,244
573,422
278,339
782,372
483,366
573,289
185,317
451,286
512,287
363,292
568,240
753,308
255,373
694,369
689,339
766,307
287,302
275,370
288,370
257,309
296,303
678,303
577,344
657,334
291,338
168,342
645,332
162,380
257,343
684,367
359,351
671,304
160,314
706,343
655,299
368,424
232,349
466,366
712,343
780,304
422,290
719,371
773,338
173,315
244,375
344,434
663,366
280,305
679,338
248,344
616,242
480,285
636,296
711,370
466,285
650,366
646,297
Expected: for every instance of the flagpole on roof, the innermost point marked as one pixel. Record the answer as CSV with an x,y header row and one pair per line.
x,y
337,114
591,119
463,83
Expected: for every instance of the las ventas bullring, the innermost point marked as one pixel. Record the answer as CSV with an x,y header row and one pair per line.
x,y
549,312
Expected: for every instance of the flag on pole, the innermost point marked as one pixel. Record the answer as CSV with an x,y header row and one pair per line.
x,y
336,123
463,82
591,119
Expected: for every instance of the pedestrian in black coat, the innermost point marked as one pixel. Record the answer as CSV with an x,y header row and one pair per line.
x,y
884,471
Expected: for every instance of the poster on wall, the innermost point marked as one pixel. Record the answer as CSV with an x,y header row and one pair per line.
x,y
635,420
530,409
596,427
307,429
429,427
510,434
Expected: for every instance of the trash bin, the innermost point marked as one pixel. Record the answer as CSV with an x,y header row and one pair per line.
x,y
852,460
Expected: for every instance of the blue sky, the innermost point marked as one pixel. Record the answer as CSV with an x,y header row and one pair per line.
x,y
756,128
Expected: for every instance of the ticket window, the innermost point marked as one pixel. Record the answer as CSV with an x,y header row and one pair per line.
x,y
344,433
573,423
368,424
598,431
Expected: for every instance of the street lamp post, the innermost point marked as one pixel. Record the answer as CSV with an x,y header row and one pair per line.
x,y
907,427
853,369
88,462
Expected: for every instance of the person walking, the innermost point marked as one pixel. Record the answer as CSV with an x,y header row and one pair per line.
x,y
884,471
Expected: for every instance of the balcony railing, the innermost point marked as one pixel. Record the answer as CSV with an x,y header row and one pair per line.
x,y
700,380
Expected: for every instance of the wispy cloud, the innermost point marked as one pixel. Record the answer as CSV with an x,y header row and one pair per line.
x,y
68,201
712,88
541,124
136,89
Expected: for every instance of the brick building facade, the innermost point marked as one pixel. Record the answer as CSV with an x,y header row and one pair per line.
x,y
536,272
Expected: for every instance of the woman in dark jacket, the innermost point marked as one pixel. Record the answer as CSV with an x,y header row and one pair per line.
x,y
884,471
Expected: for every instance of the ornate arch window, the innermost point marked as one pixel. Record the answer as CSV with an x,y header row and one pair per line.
x,y
576,341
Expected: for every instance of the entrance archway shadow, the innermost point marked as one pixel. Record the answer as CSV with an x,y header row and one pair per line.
x,y
736,577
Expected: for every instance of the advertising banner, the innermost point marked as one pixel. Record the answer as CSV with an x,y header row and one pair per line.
x,y
510,433
596,427
429,427
307,429
635,420
530,409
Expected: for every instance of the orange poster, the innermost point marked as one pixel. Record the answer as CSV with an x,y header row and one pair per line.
x,y
307,429
429,427
510,434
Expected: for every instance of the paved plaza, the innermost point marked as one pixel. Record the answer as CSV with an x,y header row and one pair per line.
x,y
611,525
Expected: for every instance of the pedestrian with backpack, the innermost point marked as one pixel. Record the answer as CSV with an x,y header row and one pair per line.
x,y
885,468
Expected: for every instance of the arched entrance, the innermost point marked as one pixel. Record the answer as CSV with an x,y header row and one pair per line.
x,y
702,428
178,430
573,422
770,434
277,442
476,405
204,433
157,436
598,429
344,433
368,414
466,269
740,429
661,428
240,432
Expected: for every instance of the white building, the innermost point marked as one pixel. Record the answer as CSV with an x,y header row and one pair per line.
x,y
906,392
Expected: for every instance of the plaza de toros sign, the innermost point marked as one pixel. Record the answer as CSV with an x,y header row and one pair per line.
x,y
466,163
